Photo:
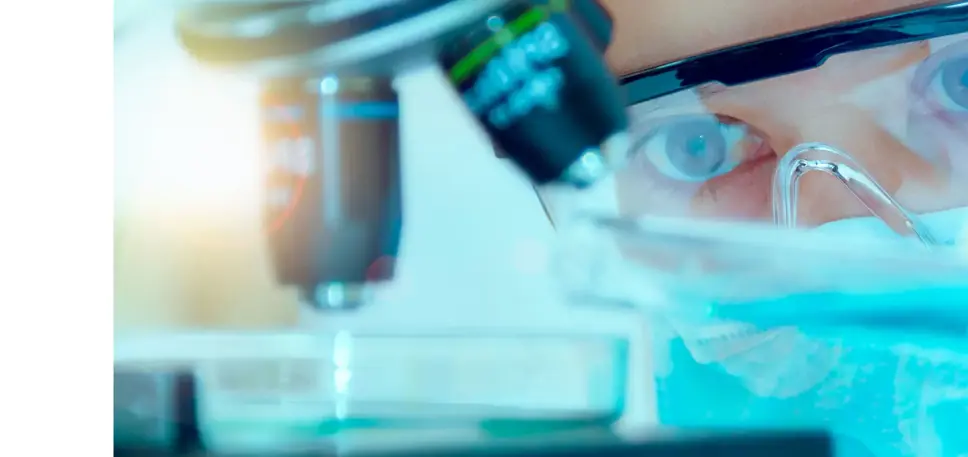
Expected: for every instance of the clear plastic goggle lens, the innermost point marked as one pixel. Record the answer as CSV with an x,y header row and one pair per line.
x,y
887,128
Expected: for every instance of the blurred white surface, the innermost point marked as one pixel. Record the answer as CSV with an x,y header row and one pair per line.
x,y
129,12
475,236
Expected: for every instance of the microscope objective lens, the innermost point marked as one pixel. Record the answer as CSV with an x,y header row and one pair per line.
x,y
534,77
333,198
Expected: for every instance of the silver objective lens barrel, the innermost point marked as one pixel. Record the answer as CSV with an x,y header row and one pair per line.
x,y
333,204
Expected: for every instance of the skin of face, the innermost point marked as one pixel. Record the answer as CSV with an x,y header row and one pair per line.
x,y
659,31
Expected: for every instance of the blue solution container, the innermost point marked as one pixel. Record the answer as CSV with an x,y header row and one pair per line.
x,y
348,390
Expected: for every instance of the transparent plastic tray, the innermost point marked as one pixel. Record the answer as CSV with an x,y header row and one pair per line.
x,y
770,328
271,391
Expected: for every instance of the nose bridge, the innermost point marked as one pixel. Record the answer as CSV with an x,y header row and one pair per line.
x,y
841,162
819,197
855,132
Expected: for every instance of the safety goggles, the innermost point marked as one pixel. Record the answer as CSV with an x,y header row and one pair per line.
x,y
866,118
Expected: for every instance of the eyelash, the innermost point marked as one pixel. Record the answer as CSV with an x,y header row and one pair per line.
x,y
725,136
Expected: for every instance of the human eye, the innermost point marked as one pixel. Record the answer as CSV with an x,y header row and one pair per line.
x,y
950,85
945,83
694,148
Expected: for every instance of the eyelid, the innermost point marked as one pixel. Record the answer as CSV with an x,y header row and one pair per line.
x,y
679,103
669,111
675,115
752,143
929,68
644,127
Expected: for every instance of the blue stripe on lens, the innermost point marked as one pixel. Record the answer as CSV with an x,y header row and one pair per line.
x,y
363,110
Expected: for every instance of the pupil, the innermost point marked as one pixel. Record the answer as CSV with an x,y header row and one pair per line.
x,y
697,145
697,148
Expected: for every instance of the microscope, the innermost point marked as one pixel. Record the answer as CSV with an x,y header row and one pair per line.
x,y
532,74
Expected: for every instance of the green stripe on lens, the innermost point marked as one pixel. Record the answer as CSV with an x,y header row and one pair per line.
x,y
484,51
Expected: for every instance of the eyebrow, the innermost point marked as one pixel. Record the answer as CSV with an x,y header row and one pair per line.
x,y
794,52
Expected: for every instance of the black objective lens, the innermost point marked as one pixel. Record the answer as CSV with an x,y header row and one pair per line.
x,y
535,78
333,203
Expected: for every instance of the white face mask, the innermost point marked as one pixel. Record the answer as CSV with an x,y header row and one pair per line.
x,y
950,227
783,362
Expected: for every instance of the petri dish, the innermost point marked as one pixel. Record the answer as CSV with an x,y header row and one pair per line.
x,y
285,391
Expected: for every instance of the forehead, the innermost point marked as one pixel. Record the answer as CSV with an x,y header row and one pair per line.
x,y
651,32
